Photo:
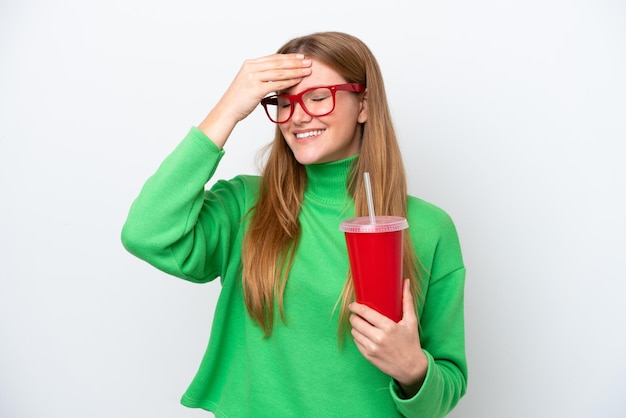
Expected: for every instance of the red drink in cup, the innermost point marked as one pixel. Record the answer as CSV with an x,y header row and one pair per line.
x,y
375,255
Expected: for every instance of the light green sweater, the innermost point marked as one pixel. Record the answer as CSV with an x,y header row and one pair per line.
x,y
177,226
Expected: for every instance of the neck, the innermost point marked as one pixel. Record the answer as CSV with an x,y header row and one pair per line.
x,y
328,181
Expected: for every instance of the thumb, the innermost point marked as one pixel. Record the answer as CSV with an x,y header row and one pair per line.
x,y
408,305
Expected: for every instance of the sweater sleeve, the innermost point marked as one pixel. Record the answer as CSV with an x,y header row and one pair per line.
x,y
177,226
442,332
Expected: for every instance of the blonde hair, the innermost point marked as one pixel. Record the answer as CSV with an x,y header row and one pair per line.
x,y
274,232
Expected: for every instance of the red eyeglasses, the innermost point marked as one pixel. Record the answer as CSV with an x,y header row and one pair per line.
x,y
316,101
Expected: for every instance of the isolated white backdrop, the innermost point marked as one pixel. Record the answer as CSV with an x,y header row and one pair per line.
x,y
511,115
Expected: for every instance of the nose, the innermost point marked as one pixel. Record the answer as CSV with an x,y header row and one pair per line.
x,y
299,115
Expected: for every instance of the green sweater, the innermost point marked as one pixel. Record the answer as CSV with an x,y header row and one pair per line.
x,y
177,226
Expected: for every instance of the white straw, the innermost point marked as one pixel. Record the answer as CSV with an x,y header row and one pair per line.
x,y
370,200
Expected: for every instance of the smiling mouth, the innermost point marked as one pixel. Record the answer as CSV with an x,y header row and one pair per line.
x,y
309,134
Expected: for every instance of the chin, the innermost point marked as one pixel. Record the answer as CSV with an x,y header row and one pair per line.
x,y
308,160
316,158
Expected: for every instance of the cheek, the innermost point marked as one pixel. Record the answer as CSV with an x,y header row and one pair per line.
x,y
353,111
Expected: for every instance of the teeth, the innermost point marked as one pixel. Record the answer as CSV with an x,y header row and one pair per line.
x,y
308,134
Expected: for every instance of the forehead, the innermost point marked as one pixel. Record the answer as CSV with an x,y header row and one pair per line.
x,y
321,75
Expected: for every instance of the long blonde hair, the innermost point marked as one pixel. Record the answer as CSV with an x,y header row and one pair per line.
x,y
274,232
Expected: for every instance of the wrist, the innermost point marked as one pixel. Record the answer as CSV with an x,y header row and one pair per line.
x,y
410,384
218,125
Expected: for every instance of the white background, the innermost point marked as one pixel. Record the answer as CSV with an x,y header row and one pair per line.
x,y
511,116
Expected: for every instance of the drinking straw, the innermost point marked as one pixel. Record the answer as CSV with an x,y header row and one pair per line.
x,y
370,200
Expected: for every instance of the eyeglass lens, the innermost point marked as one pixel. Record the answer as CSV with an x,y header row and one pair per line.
x,y
316,102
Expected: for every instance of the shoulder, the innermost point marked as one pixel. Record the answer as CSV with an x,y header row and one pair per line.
x,y
247,181
423,214
429,224
243,188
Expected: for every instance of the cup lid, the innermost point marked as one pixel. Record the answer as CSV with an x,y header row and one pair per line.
x,y
383,224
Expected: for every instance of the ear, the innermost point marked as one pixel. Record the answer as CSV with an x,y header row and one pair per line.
x,y
363,108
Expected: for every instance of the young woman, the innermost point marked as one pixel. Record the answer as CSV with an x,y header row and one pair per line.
x,y
287,337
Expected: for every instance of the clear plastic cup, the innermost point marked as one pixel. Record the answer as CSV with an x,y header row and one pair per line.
x,y
375,255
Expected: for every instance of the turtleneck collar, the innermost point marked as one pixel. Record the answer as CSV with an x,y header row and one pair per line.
x,y
327,182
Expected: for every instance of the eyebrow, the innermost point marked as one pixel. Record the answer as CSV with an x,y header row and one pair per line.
x,y
308,88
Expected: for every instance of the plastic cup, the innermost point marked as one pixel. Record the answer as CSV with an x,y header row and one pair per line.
x,y
375,256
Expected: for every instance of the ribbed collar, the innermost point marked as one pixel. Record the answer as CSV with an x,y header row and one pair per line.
x,y
327,182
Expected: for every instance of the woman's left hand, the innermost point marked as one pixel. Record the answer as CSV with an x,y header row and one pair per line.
x,y
394,348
